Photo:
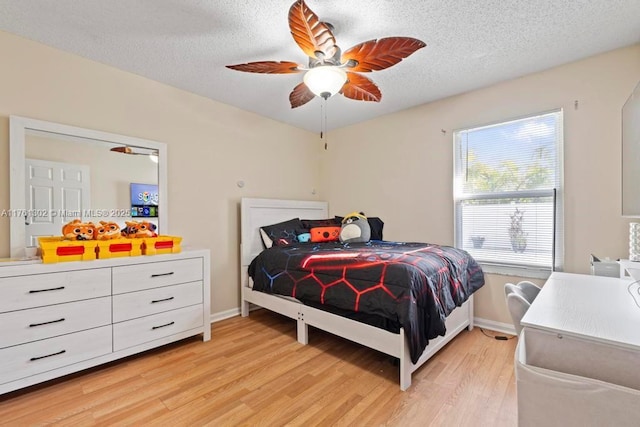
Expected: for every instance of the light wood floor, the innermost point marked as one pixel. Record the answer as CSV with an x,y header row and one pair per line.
x,y
253,372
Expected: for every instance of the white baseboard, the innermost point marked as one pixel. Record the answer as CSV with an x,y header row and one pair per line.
x,y
227,314
505,328
222,315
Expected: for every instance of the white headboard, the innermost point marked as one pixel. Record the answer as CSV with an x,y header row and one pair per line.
x,y
256,213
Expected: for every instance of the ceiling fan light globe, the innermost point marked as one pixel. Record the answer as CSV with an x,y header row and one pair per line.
x,y
325,80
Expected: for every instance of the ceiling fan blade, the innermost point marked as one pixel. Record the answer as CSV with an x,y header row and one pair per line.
x,y
309,33
128,150
267,67
360,88
300,95
375,55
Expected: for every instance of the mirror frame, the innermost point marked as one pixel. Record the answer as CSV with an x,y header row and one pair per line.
x,y
18,127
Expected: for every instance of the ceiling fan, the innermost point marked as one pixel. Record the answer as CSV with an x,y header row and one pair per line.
x,y
330,70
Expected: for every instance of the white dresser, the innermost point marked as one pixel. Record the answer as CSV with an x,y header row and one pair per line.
x,y
56,319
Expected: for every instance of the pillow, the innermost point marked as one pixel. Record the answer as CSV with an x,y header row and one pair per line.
x,y
329,222
325,234
281,234
376,225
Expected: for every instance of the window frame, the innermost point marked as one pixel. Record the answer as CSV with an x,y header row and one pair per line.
x,y
520,270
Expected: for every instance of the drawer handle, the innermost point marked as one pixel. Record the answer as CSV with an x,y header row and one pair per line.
x,y
46,290
48,355
33,325
161,300
162,326
162,274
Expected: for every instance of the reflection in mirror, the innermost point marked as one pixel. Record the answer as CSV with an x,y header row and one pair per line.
x,y
70,173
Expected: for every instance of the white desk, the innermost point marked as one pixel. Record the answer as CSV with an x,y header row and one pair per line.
x,y
593,308
579,354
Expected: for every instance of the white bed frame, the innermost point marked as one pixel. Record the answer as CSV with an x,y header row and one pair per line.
x,y
259,212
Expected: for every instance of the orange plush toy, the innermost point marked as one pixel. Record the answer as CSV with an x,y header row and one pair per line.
x,y
78,230
136,229
107,231
147,229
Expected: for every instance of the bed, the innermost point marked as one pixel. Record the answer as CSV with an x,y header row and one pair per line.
x,y
401,341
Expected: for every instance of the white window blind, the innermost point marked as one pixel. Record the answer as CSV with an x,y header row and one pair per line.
x,y
508,194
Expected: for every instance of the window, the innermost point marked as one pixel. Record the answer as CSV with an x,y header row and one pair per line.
x,y
508,194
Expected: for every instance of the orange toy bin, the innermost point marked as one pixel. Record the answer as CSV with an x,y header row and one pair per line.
x,y
161,245
56,249
119,248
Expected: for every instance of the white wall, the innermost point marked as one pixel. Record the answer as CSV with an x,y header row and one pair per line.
x,y
405,174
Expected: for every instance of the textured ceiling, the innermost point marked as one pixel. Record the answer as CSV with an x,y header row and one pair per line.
x,y
187,43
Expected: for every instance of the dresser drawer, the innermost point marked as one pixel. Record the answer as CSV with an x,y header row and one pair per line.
x,y
138,331
41,356
37,290
153,275
143,303
19,327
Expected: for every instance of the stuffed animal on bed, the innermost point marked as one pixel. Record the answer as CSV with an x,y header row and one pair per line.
x,y
136,229
78,230
107,231
355,228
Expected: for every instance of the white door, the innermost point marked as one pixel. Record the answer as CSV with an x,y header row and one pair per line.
x,y
56,194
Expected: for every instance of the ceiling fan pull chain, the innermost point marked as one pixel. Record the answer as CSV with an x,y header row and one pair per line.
x,y
323,122
326,136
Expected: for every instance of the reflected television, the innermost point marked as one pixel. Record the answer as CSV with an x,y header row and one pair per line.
x,y
144,200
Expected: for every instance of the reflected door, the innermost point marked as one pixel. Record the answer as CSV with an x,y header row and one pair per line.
x,y
56,193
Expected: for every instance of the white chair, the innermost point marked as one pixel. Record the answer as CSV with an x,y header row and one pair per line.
x,y
529,289
518,306
519,298
526,289
510,288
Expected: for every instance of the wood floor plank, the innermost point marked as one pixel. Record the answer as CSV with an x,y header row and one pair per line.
x,y
353,415
132,414
254,372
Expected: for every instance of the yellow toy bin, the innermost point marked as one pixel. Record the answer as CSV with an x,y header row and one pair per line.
x,y
161,245
56,249
114,248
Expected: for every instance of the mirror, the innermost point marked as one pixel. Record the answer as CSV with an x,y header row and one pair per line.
x,y
631,154
61,172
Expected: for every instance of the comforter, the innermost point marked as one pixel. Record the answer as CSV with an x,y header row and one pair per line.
x,y
416,285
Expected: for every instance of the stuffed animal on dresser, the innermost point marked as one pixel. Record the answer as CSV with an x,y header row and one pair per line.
x,y
135,229
146,229
355,228
78,230
107,231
